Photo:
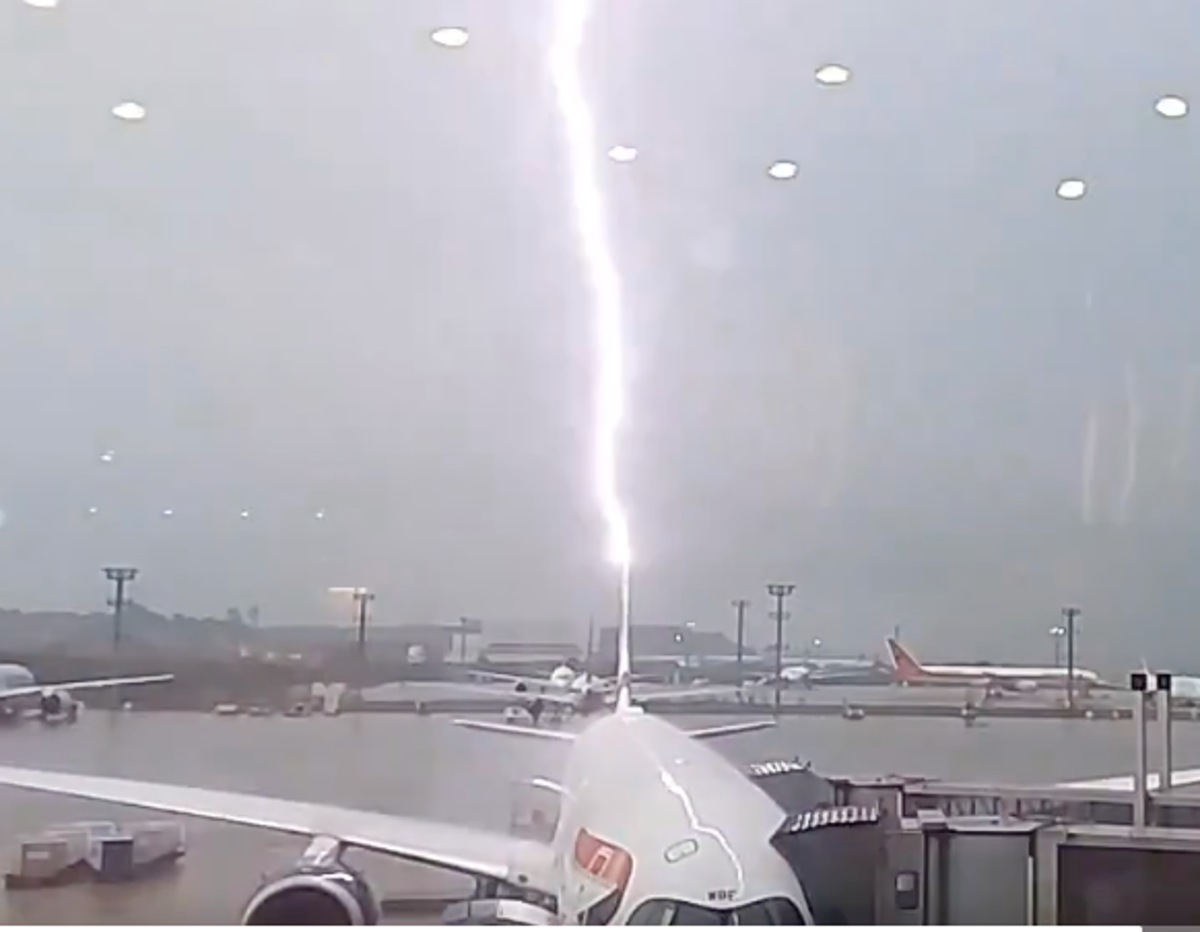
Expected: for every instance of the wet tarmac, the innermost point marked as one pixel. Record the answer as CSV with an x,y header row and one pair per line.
x,y
425,766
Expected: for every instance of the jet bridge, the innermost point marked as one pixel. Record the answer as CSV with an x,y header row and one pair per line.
x,y
1082,855
940,870
867,859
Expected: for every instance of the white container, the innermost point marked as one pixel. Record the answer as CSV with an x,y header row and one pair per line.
x,y
156,840
42,858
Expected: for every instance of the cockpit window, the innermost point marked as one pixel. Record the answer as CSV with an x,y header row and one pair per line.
x,y
775,911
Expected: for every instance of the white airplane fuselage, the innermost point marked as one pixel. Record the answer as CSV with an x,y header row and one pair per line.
x,y
21,692
565,679
563,688
1018,679
648,813
910,671
14,674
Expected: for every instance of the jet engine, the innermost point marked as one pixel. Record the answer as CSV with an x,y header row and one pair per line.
x,y
57,702
318,891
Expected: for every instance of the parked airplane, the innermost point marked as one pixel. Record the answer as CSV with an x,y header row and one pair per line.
x,y
653,827
834,671
19,690
1185,689
568,690
995,679
562,678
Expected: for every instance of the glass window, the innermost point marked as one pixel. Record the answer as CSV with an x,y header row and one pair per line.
x,y
776,911
602,913
773,912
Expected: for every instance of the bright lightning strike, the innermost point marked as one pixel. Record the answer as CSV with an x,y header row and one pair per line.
x,y
579,126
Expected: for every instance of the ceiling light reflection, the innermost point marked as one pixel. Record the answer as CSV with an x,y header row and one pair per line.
x,y
129,111
450,37
1171,107
1071,189
832,75
783,170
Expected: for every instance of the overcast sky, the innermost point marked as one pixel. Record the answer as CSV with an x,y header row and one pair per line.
x,y
335,270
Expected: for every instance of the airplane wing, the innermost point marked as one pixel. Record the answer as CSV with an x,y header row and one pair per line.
x,y
37,689
476,852
1125,784
686,692
486,675
737,728
520,731
496,691
563,699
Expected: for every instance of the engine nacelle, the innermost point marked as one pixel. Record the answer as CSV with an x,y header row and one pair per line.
x,y
56,703
314,895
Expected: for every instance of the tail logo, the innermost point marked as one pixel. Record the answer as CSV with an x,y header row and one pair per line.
x,y
905,665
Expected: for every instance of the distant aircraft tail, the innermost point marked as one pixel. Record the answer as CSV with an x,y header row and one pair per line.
x,y
903,662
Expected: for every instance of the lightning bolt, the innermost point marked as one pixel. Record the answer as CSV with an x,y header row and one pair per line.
x,y
570,19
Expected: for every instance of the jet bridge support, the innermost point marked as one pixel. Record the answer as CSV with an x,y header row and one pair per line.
x,y
958,872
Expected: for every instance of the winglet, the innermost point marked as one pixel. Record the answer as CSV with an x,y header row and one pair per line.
x,y
903,662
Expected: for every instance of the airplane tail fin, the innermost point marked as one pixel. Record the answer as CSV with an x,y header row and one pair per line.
x,y
624,699
903,662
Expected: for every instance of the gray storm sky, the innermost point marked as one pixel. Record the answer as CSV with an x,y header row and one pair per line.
x,y
336,270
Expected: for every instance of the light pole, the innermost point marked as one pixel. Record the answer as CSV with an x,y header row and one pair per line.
x,y
740,605
120,577
465,626
1070,613
362,598
779,592
1058,632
